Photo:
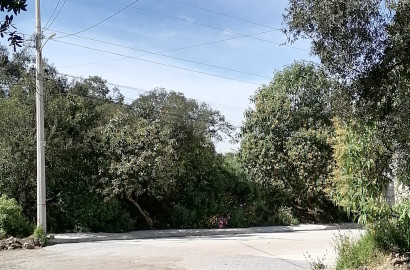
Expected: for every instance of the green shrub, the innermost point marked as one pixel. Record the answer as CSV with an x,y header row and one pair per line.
x,y
3,234
353,253
393,233
183,217
86,211
286,217
12,221
40,235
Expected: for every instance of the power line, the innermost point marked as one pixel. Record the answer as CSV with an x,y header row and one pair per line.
x,y
226,15
52,14
154,62
58,13
144,91
176,49
211,27
101,22
168,56
217,41
224,106
123,86
97,62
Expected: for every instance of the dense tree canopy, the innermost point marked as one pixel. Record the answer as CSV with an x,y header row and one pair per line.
x,y
154,144
284,138
365,44
73,118
112,166
351,36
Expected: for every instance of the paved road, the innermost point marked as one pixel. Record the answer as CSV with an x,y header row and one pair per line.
x,y
259,251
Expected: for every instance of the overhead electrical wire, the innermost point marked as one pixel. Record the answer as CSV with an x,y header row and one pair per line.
x,y
58,13
168,56
93,63
211,27
158,63
155,62
217,41
225,15
182,68
143,91
101,22
52,14
186,47
180,48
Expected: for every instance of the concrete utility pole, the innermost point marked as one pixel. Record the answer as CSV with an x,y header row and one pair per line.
x,y
41,143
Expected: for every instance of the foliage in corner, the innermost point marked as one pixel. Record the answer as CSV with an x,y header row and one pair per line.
x,y
393,231
16,7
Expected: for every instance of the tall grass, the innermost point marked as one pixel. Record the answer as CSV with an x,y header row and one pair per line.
x,y
353,253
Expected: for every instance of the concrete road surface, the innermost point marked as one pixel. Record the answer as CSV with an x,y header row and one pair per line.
x,y
259,251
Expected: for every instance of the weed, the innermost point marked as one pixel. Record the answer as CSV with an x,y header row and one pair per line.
x,y
3,234
353,253
40,235
315,264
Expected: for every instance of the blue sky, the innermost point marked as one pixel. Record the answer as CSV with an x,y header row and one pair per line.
x,y
221,67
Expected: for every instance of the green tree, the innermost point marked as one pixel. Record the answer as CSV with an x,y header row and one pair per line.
x,y
17,147
359,183
359,179
365,44
17,130
139,159
350,37
76,114
162,143
285,137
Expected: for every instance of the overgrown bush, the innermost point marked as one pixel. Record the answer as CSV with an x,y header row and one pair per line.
x,y
12,221
360,179
222,193
353,253
86,211
285,216
393,232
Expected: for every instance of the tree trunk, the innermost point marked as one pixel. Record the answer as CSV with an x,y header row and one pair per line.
x,y
142,211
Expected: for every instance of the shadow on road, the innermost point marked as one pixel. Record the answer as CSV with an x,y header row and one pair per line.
x,y
187,233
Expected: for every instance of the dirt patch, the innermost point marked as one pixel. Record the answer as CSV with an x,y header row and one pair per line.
x,y
391,262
